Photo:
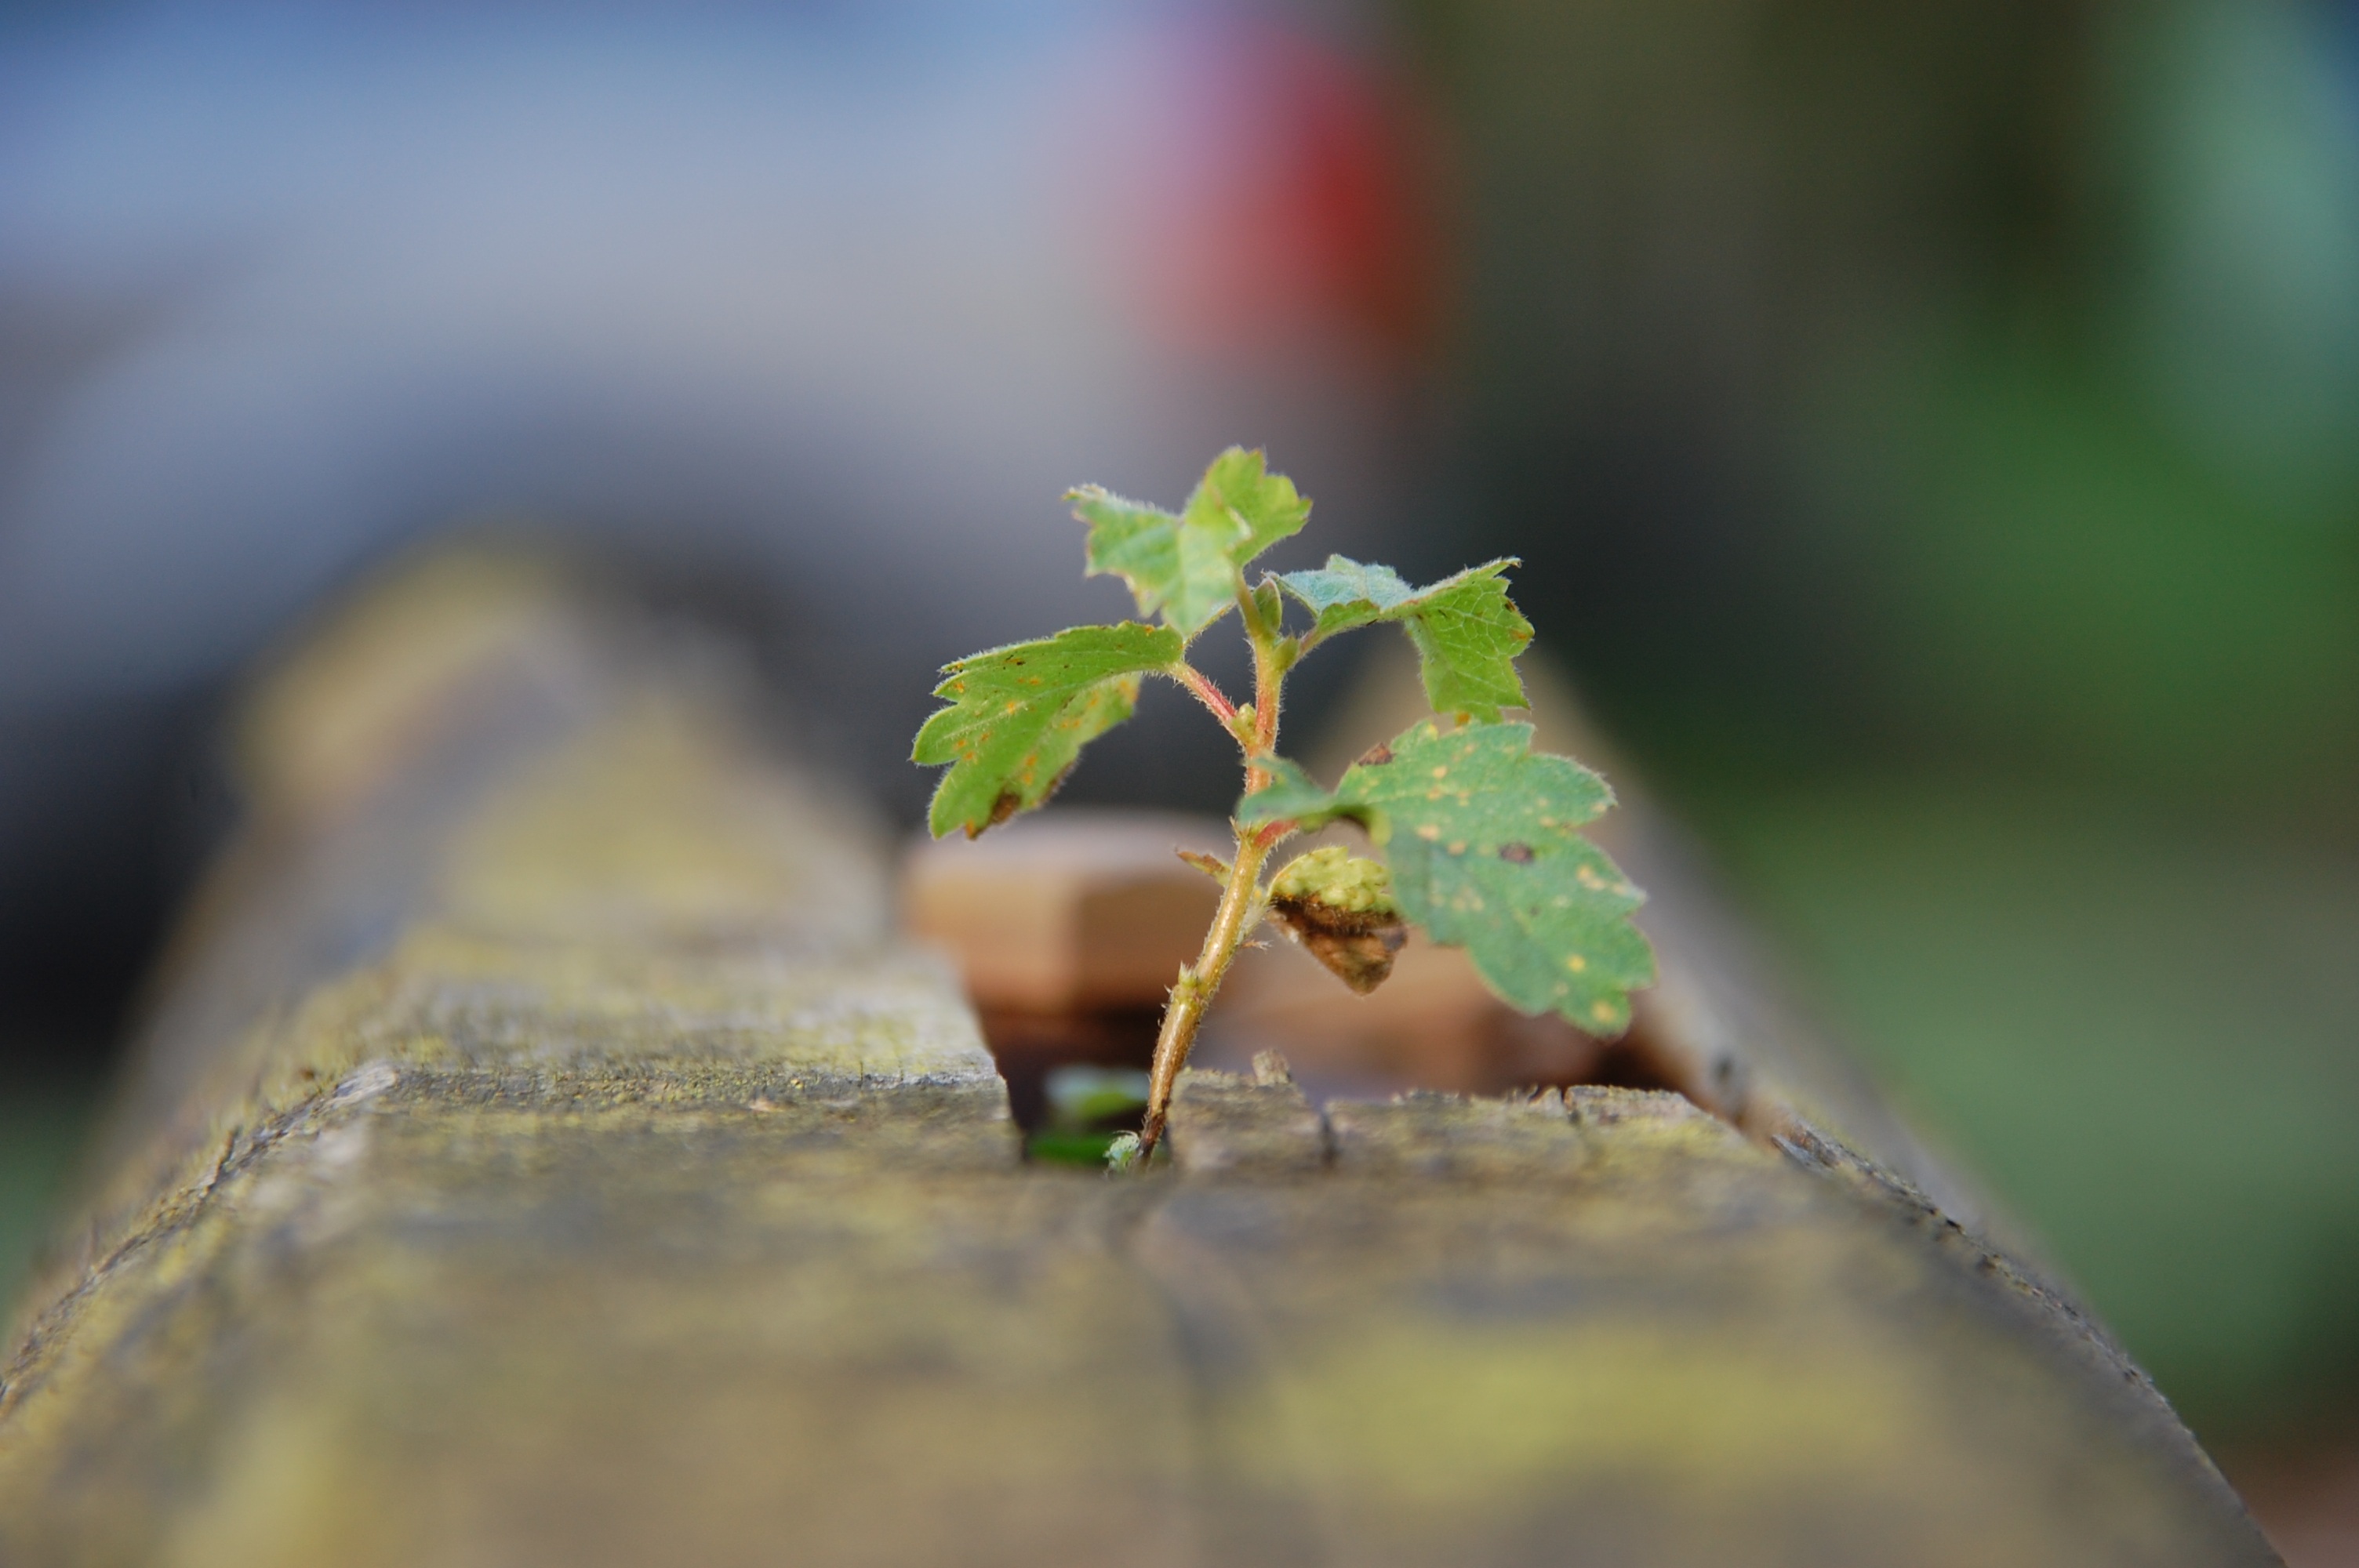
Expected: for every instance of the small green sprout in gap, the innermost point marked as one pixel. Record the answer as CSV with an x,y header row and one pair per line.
x,y
1083,1103
1478,831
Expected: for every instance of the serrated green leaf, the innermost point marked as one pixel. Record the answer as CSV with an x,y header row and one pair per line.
x,y
1187,568
1019,716
1479,830
1239,492
1466,631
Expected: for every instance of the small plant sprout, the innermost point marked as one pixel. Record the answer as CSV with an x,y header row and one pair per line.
x,y
1477,832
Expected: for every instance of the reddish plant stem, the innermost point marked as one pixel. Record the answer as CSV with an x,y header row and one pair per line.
x,y
1267,835
1211,696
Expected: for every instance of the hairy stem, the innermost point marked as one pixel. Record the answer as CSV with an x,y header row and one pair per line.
x,y
1268,683
1201,980
1241,899
1211,696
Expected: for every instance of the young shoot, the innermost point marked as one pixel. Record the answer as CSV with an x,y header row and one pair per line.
x,y
1477,832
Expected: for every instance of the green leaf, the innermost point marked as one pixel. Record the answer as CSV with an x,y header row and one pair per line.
x,y
1466,631
1289,792
1019,716
1346,593
1179,571
1074,1148
1270,605
1239,492
1188,568
1479,830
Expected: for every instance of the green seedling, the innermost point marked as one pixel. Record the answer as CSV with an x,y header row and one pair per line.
x,y
1478,832
1085,1105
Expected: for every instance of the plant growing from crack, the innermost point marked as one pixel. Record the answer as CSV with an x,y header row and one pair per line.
x,y
1478,831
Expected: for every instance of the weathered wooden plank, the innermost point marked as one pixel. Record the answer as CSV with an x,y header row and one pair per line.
x,y
1256,1128
545,1152
1624,1334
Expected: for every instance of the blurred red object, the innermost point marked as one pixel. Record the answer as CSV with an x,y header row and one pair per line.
x,y
1289,190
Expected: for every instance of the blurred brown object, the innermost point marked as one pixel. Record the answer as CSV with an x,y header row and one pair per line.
x,y
1066,911
1433,1026
1067,927
2306,1501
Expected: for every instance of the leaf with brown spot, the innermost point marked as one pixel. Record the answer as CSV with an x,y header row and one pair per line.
x,y
1494,863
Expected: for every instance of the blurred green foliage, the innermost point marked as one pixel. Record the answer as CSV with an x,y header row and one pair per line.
x,y
1089,1107
41,1127
1942,421
2141,1035
2064,586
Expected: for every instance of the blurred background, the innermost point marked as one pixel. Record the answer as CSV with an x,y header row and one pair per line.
x,y
1931,433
